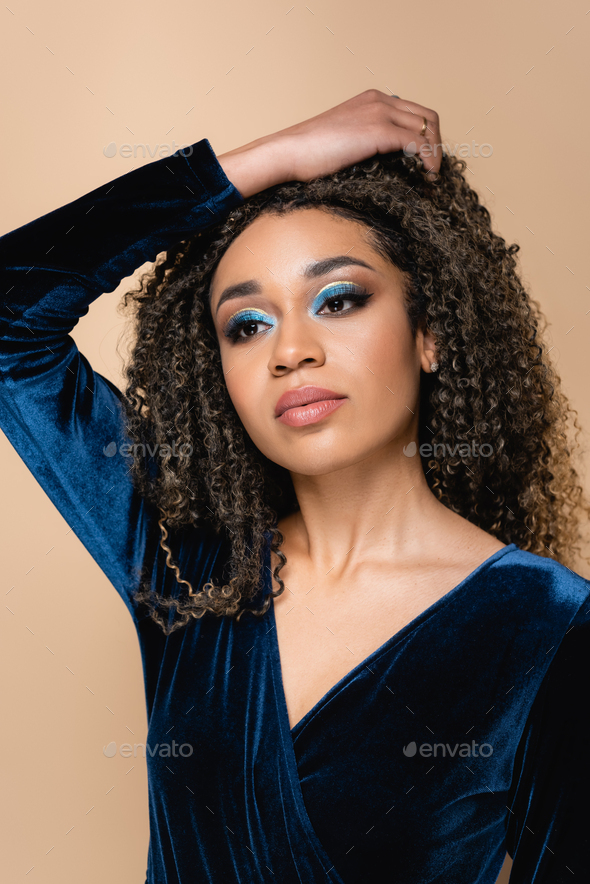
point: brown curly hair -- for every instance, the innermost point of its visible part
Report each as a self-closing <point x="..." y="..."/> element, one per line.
<point x="495" y="381"/>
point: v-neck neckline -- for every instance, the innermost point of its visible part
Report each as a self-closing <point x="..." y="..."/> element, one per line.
<point x="388" y="643"/>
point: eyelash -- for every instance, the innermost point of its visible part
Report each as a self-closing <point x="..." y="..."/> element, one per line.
<point x="359" y="296"/>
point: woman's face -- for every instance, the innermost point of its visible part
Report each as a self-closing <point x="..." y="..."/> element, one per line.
<point x="286" y="319"/>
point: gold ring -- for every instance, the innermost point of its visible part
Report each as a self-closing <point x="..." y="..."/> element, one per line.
<point x="424" y="126"/>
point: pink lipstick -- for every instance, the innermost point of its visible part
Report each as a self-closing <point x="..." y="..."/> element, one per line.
<point x="307" y="405"/>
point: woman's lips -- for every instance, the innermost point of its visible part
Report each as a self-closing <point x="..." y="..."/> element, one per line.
<point x="301" y="415"/>
<point x="305" y="395"/>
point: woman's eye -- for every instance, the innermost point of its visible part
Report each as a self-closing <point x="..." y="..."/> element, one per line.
<point x="249" y="328"/>
<point x="241" y="329"/>
<point x="336" y="304"/>
<point x="342" y="300"/>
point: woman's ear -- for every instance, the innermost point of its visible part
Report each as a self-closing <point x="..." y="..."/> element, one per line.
<point x="426" y="346"/>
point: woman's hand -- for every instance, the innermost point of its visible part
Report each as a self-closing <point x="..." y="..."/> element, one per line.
<point x="368" y="124"/>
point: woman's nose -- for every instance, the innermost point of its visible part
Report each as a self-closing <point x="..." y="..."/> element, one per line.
<point x="297" y="340"/>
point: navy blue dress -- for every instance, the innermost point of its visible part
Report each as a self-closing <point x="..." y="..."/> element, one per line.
<point x="464" y="735"/>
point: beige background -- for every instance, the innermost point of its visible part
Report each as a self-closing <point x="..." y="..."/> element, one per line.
<point x="76" y="77"/>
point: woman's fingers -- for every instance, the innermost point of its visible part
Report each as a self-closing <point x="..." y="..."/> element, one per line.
<point x="358" y="128"/>
<point x="425" y="122"/>
<point x="412" y="115"/>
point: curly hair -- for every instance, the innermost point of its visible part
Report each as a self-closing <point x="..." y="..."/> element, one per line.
<point x="495" y="382"/>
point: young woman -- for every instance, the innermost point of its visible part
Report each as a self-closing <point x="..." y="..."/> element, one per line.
<point x="336" y="498"/>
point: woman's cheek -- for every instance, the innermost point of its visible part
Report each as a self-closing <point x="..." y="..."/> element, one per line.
<point x="248" y="403"/>
<point x="235" y="390"/>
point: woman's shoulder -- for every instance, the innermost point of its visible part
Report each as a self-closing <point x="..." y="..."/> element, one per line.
<point x="538" y="598"/>
<point x="536" y="570"/>
<point x="527" y="612"/>
<point x="521" y="579"/>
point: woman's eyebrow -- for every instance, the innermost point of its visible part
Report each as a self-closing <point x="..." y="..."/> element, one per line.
<point x="312" y="271"/>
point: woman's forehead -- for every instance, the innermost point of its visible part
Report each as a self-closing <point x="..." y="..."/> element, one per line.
<point x="299" y="243"/>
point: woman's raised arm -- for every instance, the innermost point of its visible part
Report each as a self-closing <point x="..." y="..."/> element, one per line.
<point x="63" y="418"/>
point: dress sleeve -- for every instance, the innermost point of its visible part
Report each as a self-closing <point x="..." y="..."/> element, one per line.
<point x="63" y="418"/>
<point x="548" y="825"/>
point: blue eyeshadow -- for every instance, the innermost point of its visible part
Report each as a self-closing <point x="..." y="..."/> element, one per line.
<point x="247" y="315"/>
<point x="332" y="289"/>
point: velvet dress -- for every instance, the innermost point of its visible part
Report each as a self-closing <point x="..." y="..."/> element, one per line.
<point x="465" y="735"/>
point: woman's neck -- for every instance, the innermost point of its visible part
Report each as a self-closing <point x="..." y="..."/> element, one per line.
<point x="379" y="508"/>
